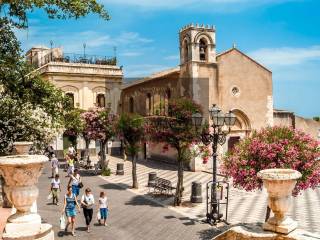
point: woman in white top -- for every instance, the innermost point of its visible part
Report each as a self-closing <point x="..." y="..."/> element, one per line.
<point x="87" y="202"/>
<point x="74" y="182"/>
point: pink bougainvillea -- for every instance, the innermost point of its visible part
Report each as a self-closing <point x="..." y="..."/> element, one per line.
<point x="274" y="147"/>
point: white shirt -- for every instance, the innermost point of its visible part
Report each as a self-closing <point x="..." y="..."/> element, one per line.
<point x="71" y="150"/>
<point x="75" y="179"/>
<point x="103" y="202"/>
<point x="55" y="183"/>
<point x="88" y="199"/>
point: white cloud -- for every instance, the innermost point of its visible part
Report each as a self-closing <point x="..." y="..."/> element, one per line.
<point x="142" y="70"/>
<point x="172" y="57"/>
<point x="286" y="56"/>
<point x="94" y="40"/>
<point x="130" y="54"/>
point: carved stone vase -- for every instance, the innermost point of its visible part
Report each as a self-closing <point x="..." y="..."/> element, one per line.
<point x="279" y="184"/>
<point x="22" y="147"/>
<point x="21" y="173"/>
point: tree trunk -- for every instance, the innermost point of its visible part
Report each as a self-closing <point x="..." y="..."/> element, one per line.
<point x="134" y="172"/>
<point x="103" y="154"/>
<point x="179" y="190"/>
<point x="87" y="154"/>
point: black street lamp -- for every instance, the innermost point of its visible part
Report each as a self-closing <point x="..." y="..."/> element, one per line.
<point x="219" y="119"/>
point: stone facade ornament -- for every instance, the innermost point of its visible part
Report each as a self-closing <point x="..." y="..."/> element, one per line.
<point x="279" y="184"/>
<point x="21" y="173"/>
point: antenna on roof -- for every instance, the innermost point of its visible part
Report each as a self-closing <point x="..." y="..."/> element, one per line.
<point x="115" y="51"/>
<point x="51" y="44"/>
<point x="84" y="50"/>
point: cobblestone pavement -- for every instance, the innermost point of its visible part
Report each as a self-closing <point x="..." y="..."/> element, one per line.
<point x="132" y="217"/>
<point x="243" y="206"/>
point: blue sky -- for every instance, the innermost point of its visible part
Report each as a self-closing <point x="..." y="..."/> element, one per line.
<point x="284" y="35"/>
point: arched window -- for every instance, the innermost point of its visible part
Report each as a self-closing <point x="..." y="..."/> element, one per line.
<point x="148" y="104"/>
<point x="101" y="100"/>
<point x="185" y="51"/>
<point x="71" y="98"/>
<point x="203" y="49"/>
<point x="131" y="105"/>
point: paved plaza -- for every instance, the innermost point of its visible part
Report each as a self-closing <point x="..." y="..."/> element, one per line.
<point x="136" y="214"/>
<point x="244" y="206"/>
<point x="131" y="216"/>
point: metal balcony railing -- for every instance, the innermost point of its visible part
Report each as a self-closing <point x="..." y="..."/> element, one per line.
<point x="80" y="58"/>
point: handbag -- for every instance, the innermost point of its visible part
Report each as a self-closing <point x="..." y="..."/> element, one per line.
<point x="50" y="196"/>
<point x="80" y="184"/>
<point x="62" y="222"/>
<point x="98" y="216"/>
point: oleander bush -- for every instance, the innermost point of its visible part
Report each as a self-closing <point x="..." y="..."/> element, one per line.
<point x="274" y="147"/>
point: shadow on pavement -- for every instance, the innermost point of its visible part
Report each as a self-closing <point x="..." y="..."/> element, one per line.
<point x="118" y="186"/>
<point x="142" y="200"/>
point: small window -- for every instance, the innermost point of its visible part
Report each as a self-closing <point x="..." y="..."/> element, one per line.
<point x="148" y="104"/>
<point x="168" y="94"/>
<point x="101" y="100"/>
<point x="203" y="49"/>
<point x="131" y="105"/>
<point x="71" y="98"/>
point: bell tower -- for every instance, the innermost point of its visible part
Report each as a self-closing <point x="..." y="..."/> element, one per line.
<point x="198" y="68"/>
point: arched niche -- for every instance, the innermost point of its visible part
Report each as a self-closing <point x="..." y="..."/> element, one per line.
<point x="242" y="123"/>
<point x="185" y="49"/>
<point x="203" y="35"/>
<point x="239" y="130"/>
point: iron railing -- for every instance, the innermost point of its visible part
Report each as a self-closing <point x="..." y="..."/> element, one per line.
<point x="80" y="58"/>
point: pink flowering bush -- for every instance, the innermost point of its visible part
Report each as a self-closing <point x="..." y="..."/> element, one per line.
<point x="274" y="147"/>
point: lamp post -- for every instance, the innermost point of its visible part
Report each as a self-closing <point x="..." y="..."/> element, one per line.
<point x="218" y="136"/>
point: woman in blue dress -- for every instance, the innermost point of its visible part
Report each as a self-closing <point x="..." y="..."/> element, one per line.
<point x="74" y="182"/>
<point x="69" y="207"/>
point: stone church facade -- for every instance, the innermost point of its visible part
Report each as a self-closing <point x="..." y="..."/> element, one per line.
<point x="231" y="79"/>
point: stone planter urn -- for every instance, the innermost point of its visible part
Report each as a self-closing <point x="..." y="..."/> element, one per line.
<point x="279" y="184"/>
<point x="21" y="173"/>
<point x="22" y="147"/>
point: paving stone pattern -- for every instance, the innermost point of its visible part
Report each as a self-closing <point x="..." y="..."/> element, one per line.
<point x="132" y="217"/>
<point x="244" y="206"/>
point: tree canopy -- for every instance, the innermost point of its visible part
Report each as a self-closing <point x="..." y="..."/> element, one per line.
<point x="16" y="11"/>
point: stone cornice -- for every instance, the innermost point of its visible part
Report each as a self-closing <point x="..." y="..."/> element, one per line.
<point x="60" y="68"/>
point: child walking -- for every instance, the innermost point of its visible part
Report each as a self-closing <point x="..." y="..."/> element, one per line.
<point x="104" y="210"/>
<point x="55" y="189"/>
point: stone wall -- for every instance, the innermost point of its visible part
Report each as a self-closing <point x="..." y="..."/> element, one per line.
<point x="245" y="86"/>
<point x="309" y="126"/>
<point x="289" y="119"/>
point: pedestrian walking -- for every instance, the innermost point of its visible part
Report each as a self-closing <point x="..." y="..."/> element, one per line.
<point x="104" y="208"/>
<point x="55" y="189"/>
<point x="75" y="182"/>
<point x="71" y="151"/>
<point x="70" y="164"/>
<point x="87" y="202"/>
<point x="54" y="166"/>
<point x="69" y="208"/>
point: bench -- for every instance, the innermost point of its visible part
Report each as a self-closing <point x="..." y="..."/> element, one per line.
<point x="162" y="185"/>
